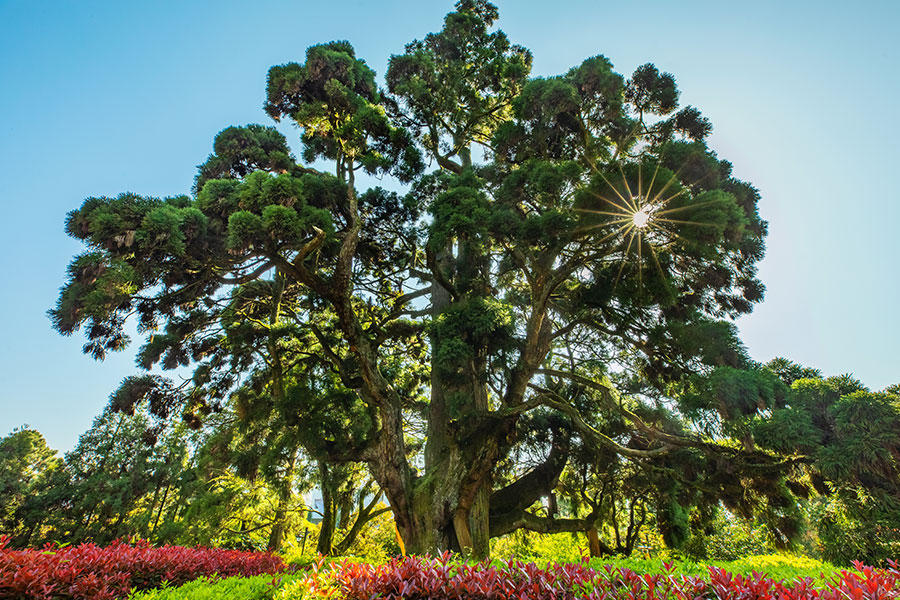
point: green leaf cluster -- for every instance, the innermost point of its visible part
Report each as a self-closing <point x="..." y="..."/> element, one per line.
<point x="464" y="327"/>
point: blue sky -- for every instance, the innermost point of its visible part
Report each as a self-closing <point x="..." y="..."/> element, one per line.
<point x="98" y="98"/>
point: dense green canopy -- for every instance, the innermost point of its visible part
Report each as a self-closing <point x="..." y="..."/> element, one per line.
<point x="548" y="302"/>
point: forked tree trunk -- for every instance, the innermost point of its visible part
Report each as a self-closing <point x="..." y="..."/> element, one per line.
<point x="450" y="509"/>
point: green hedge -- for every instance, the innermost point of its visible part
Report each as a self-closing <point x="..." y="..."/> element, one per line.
<point x="776" y="566"/>
<point x="260" y="587"/>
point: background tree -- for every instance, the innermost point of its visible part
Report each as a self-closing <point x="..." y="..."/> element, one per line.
<point x="26" y="467"/>
<point x="850" y="440"/>
<point x="582" y="267"/>
<point x="127" y="477"/>
<point x="110" y="473"/>
<point x="840" y="445"/>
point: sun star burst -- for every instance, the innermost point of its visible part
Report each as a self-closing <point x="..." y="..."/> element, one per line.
<point x="641" y="219"/>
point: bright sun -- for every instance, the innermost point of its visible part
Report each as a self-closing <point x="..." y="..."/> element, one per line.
<point x="641" y="218"/>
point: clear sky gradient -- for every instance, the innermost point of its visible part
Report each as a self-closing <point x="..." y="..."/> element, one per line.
<point x="97" y="98"/>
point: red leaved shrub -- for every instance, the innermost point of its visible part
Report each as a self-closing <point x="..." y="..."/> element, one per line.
<point x="90" y="572"/>
<point x="442" y="579"/>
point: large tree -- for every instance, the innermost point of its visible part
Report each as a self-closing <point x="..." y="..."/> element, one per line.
<point x="566" y="243"/>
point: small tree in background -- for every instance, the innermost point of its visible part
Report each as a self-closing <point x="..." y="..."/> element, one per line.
<point x="849" y="438"/>
<point x="27" y="465"/>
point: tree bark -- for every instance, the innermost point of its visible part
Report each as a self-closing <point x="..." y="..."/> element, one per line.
<point x="285" y="493"/>
<point x="324" y="544"/>
<point x="593" y="542"/>
<point x="160" y="510"/>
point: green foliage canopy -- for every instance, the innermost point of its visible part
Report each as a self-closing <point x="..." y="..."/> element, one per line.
<point x="577" y="271"/>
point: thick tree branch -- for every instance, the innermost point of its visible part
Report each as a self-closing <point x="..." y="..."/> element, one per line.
<point x="607" y="394"/>
<point x="532" y="522"/>
<point x="552" y="400"/>
<point x="438" y="274"/>
<point x="310" y="247"/>
<point x="242" y="279"/>
<point x="529" y="488"/>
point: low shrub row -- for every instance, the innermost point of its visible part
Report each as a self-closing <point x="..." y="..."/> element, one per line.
<point x="261" y="587"/>
<point x="89" y="572"/>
